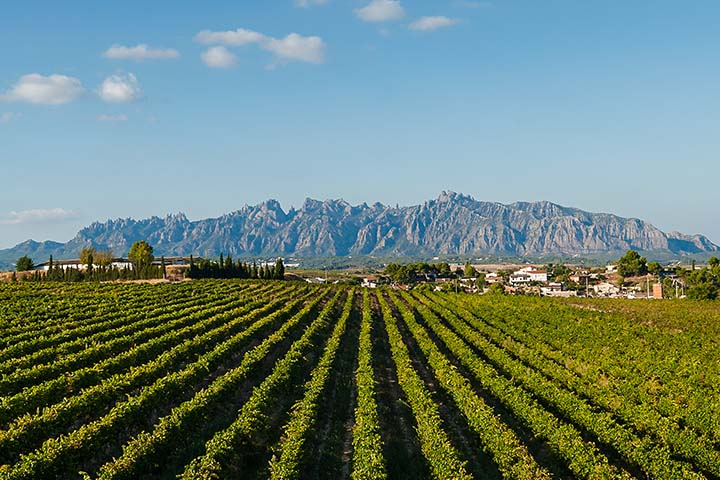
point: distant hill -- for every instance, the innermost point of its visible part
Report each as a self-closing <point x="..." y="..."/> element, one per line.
<point x="452" y="224"/>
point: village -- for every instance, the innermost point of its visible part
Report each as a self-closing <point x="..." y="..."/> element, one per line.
<point x="537" y="280"/>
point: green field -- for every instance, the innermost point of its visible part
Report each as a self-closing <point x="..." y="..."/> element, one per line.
<point x="242" y="379"/>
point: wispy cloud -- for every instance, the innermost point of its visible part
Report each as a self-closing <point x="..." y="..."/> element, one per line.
<point x="140" y="52"/>
<point x="310" y="3"/>
<point x="381" y="11"/>
<point x="120" y="89"/>
<point x="41" y="90"/>
<point x="104" y="118"/>
<point x="293" y="47"/>
<point x="428" y="24"/>
<point x="233" y="38"/>
<point x="8" y="117"/>
<point x="40" y="215"/>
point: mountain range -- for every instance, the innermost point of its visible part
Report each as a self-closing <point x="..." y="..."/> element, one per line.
<point x="452" y="224"/>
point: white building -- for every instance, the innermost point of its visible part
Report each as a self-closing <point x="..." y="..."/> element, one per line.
<point x="370" y="282"/>
<point x="531" y="273"/>
<point x="519" y="278"/>
<point x="492" y="277"/>
<point x="606" y="289"/>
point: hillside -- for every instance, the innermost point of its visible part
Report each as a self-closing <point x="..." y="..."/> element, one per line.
<point x="452" y="224"/>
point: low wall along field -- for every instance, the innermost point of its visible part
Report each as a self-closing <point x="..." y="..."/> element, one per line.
<point x="243" y="379"/>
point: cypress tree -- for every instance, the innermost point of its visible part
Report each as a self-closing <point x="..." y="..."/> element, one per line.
<point x="279" y="269"/>
<point x="229" y="267"/>
<point x="192" y="271"/>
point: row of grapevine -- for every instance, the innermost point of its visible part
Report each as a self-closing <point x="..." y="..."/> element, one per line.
<point x="444" y="459"/>
<point x="90" y="399"/>
<point x="188" y="416"/>
<point x="644" y="419"/>
<point x="368" y="461"/>
<point x="58" y="454"/>
<point x="253" y="413"/>
<point x="303" y="415"/>
<point x="511" y="456"/>
<point x="41" y="335"/>
<point x="670" y="376"/>
<point x="582" y="459"/>
<point x="125" y="338"/>
<point x="88" y="318"/>
<point x="641" y="451"/>
<point x="284" y="380"/>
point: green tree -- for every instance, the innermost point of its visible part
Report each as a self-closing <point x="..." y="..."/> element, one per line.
<point x="279" y="269"/>
<point x="704" y="283"/>
<point x="713" y="262"/>
<point x="496" y="288"/>
<point x="558" y="272"/>
<point x="654" y="268"/>
<point x="703" y="291"/>
<point x="141" y="255"/>
<point x="24" y="264"/>
<point x="632" y="264"/>
<point x="103" y="258"/>
<point x="89" y="264"/>
<point x="87" y="254"/>
<point x="480" y="281"/>
<point x="469" y="271"/>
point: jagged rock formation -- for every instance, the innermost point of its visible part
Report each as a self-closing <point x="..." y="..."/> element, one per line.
<point x="452" y="224"/>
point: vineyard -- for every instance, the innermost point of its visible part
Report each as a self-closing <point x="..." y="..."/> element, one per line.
<point x="282" y="380"/>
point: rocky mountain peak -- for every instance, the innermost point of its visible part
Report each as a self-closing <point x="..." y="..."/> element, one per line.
<point x="452" y="224"/>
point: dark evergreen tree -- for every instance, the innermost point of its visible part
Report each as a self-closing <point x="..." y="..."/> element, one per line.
<point x="279" y="269"/>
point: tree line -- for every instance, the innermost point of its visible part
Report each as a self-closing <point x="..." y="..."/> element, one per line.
<point x="225" y="267"/>
<point x="98" y="267"/>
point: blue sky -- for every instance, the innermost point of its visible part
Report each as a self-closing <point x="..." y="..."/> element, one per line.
<point x="118" y="109"/>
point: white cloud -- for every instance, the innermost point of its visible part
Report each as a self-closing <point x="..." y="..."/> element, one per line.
<point x="381" y="11"/>
<point x="292" y="47"/>
<point x="120" y="89"/>
<point x="297" y="47"/>
<point x="140" y="52"/>
<point x="218" y="57"/>
<point x="41" y="90"/>
<point x="310" y="3"/>
<point x="112" y="118"/>
<point x="8" y="117"/>
<point x="427" y="24"/>
<point x="41" y="215"/>
<point x="235" y="38"/>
